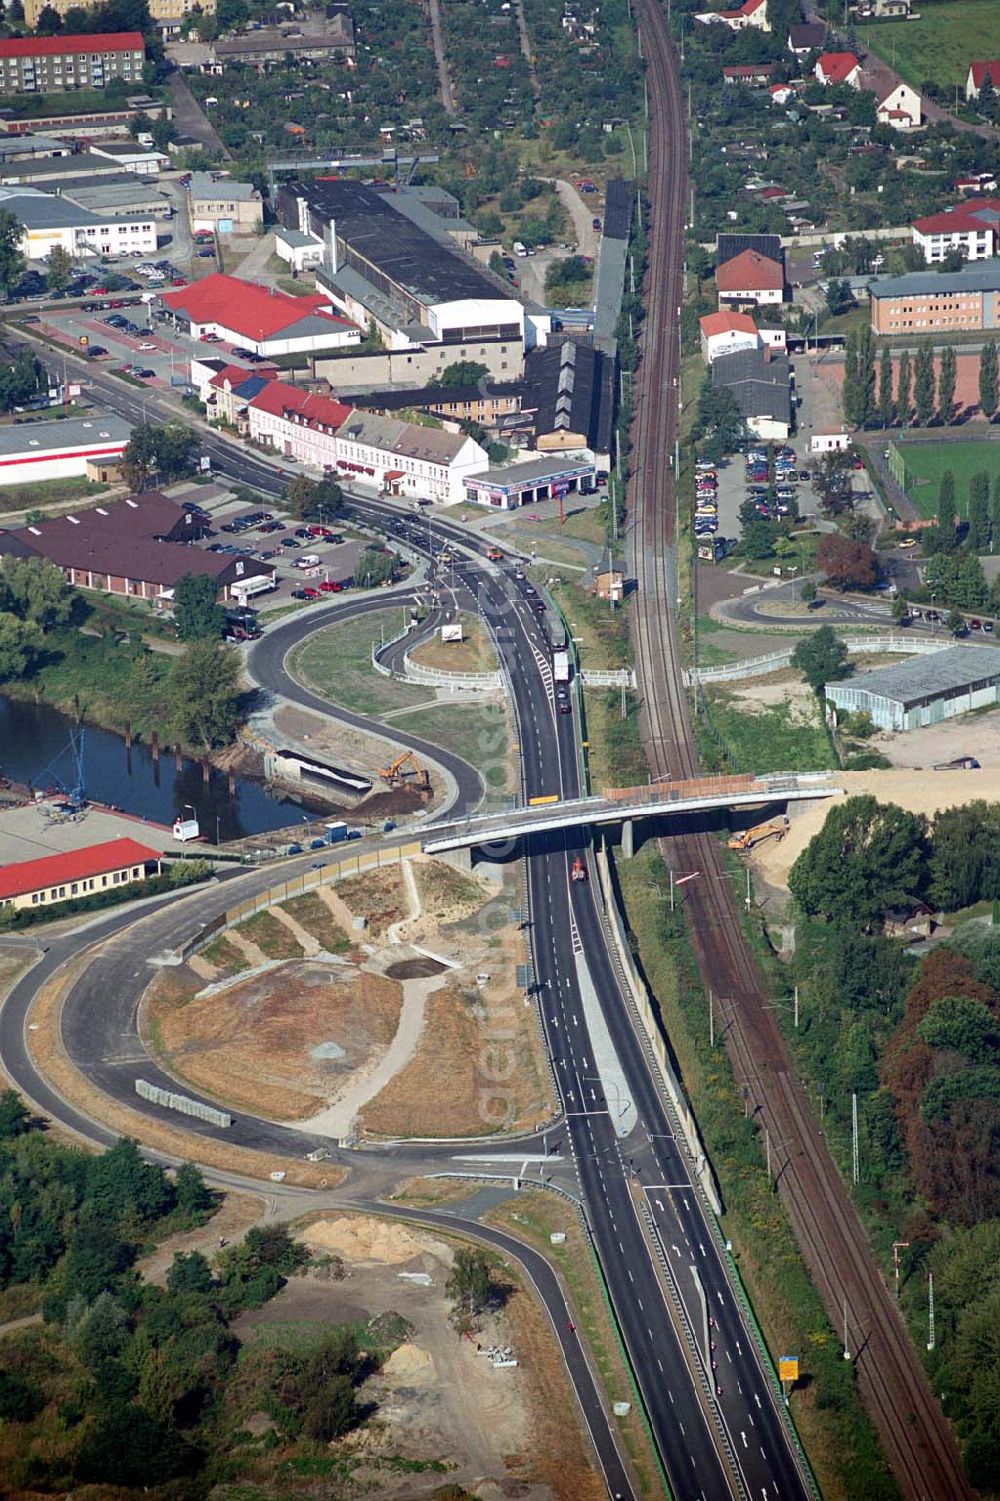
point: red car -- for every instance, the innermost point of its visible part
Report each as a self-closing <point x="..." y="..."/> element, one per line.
<point x="178" y="281"/>
<point x="331" y="586"/>
<point x="310" y="593"/>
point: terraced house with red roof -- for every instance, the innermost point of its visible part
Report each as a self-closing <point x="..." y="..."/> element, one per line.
<point x="59" y="64"/>
<point x="77" y="873"/>
<point x="243" y="314"/>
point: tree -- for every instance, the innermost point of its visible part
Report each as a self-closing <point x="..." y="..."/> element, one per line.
<point x="960" y="1025"/>
<point x="989" y="389"/>
<point x="332" y="1412"/>
<point x="49" y="21"/>
<point x="839" y="296"/>
<point x="203" y="695"/>
<point x="886" y="408"/>
<point x="470" y="1285"/>
<point x="868" y="856"/>
<point x="946" y="512"/>
<point x="965" y="858"/>
<point x="166" y="453"/>
<point x="955" y="623"/>
<point x="923" y="384"/>
<point x="978" y="536"/>
<point x="311" y="500"/>
<point x="20" y="644"/>
<point x="196" y="614"/>
<point x="194" y="1197"/>
<point x="189" y="1273"/>
<point x="866" y="374"/>
<point x="462" y="373"/>
<point x="12" y="262"/>
<point x="847" y="564"/>
<point x="376" y="566"/>
<point x="904" y="401"/>
<point x="947" y="375"/>
<point x="60" y="269"/>
<point x="808" y="591"/>
<point x="21" y="379"/>
<point x="821" y="658"/>
<point x="900" y="610"/>
<point x="14" y="1117"/>
<point x="720" y="424"/>
<point x="852" y="396"/>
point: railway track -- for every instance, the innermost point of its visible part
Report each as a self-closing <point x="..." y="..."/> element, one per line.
<point x="915" y="1436"/>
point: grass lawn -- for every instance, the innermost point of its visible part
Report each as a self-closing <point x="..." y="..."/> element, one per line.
<point x="336" y="662"/>
<point x="48" y="492"/>
<point x="479" y="733"/>
<point x="782" y="738"/>
<point x="940" y="45"/>
<point x="474" y="654"/>
<point x="927" y="462"/>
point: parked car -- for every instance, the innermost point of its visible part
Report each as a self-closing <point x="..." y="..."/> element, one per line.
<point x="331" y="586"/>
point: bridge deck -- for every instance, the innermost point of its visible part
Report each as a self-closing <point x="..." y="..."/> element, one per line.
<point x="619" y="804"/>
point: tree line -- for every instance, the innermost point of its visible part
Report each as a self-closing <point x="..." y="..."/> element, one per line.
<point x="880" y="392"/>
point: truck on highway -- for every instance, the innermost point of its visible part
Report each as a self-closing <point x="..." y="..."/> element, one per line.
<point x="259" y="583"/>
<point x="560" y="666"/>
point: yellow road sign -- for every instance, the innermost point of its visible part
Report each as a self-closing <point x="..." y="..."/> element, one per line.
<point x="788" y="1368"/>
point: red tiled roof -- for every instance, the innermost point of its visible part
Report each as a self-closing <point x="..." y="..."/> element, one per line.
<point x="61" y="46"/>
<point x="278" y="397"/>
<point x="747" y="70"/>
<point x="75" y="865"/>
<point x="727" y="323"/>
<point x="980" y="71"/>
<point x="749" y="271"/>
<point x="837" y="67"/>
<point x="252" y="311"/>
<point x="964" y="218"/>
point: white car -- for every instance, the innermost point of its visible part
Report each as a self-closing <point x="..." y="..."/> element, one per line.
<point x="308" y="560"/>
<point x="148" y="348"/>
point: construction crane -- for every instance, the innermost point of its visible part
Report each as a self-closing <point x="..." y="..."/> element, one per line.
<point x="748" y="838"/>
<point x="405" y="766"/>
<point x="76" y="794"/>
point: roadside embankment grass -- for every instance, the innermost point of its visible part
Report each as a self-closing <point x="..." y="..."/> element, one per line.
<point x="835" y="1429"/>
<point x="336" y="663"/>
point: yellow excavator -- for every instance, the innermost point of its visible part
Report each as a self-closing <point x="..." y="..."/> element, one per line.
<point x="405" y="766"/>
<point x="746" y="839"/>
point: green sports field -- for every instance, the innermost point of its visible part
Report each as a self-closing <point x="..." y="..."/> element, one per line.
<point x="927" y="462"/>
<point x="940" y="45"/>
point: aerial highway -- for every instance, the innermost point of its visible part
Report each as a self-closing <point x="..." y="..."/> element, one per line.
<point x="911" y="1426"/>
<point x="716" y="1417"/>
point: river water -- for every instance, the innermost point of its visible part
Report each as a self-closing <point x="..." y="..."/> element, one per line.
<point x="35" y="748"/>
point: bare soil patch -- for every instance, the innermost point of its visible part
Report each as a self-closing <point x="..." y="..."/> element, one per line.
<point x="514" y="1432"/>
<point x="45" y="1047"/>
<point x="917" y="794"/>
<point x="377" y="895"/>
<point x="414" y="969"/>
<point x="224" y="957"/>
<point x="447" y="894"/>
<point x="279" y="1044"/>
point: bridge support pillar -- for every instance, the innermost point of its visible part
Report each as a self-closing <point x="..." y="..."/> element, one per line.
<point x="628" y="839"/>
<point x="460" y="859"/>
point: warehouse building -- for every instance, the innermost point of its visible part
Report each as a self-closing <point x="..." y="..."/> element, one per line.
<point x="59" y="450"/>
<point x="47" y="222"/>
<point x="923" y="691"/>
<point x="262" y="319"/>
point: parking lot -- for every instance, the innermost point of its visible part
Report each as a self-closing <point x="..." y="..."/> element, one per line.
<point x="311" y="560"/>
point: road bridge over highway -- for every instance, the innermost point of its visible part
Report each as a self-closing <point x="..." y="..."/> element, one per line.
<point x="624" y="805"/>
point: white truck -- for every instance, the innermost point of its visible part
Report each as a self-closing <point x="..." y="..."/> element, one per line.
<point x="258" y="583"/>
<point x="560" y="666"/>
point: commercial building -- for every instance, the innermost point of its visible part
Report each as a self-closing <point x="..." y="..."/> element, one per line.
<point x="929" y="301"/>
<point x="137" y="547"/>
<point x="22" y="148"/>
<point x="923" y="691"/>
<point x="77" y="873"/>
<point x="300" y="251"/>
<point x="59" y="450"/>
<point x="48" y="221"/>
<point x="761" y="382"/>
<point x="59" y="64"/>
<point x="218" y="202"/>
<point x="495" y="408"/>
<point x="120" y="195"/>
<point x="978" y="74"/>
<point x="750" y="279"/>
<point x="568" y="403"/>
<point x="259" y="318"/>
<point x="838" y="68"/>
<point x="416" y="288"/>
<point x="327" y="436"/>
<point x="38" y="171"/>
<point x="726" y="333"/>
<point x="128" y="156"/>
<point x="89" y="125"/>
<point x="973" y="227"/>
<point x="269" y="45"/>
<point x="524" y="484"/>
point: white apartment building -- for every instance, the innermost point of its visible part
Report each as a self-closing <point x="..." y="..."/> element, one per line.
<point x="48" y="221"/>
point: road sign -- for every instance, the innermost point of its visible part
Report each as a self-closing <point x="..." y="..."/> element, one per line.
<point x="788" y="1368"/>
